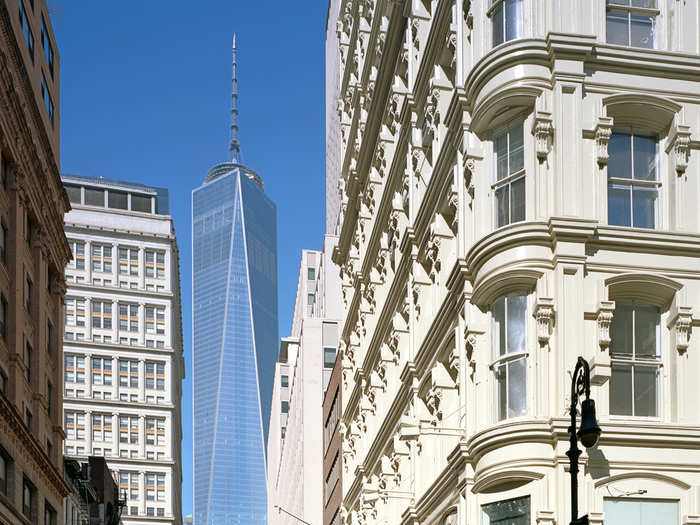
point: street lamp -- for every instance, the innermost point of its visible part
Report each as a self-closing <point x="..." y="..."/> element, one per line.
<point x="280" y="509"/>
<point x="588" y="433"/>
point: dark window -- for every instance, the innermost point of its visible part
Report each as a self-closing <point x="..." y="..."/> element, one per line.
<point x="3" y="382"/>
<point x="161" y="511"/>
<point x="140" y="203"/>
<point x="74" y="193"/>
<point x="3" y="243"/>
<point x="49" y="338"/>
<point x="49" y="397"/>
<point x="94" y="197"/>
<point x="46" y="44"/>
<point x="312" y="274"/>
<point x="284" y="432"/>
<point x="506" y="20"/>
<point x="29" y="500"/>
<point x="117" y="200"/>
<point x="28" y="362"/>
<point x="3" y="171"/>
<point x="285" y="380"/>
<point x="48" y="101"/>
<point x="26" y="30"/>
<point x="28" y="418"/>
<point x="28" y="294"/>
<point x="513" y="512"/>
<point x="328" y="357"/>
<point x="5" y="468"/>
<point x="49" y="514"/>
<point x="149" y="511"/>
<point x="29" y="232"/>
<point x="3" y="317"/>
<point x="285" y="407"/>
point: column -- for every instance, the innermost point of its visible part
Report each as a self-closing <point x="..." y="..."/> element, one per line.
<point x="115" y="321"/>
<point x="88" y="376"/>
<point x="142" y="437"/>
<point x="168" y="378"/>
<point x="142" y="323"/>
<point x="88" y="262"/>
<point x="169" y="340"/>
<point x="115" y="434"/>
<point x="115" y="264"/>
<point x="142" y="269"/>
<point x="168" y="271"/>
<point x="142" y="381"/>
<point x="142" y="492"/>
<point x="115" y="379"/>
<point x="88" y="432"/>
<point x="88" y="319"/>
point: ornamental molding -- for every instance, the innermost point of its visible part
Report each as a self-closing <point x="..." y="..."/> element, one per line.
<point x="679" y="146"/>
<point x="544" y="315"/>
<point x="681" y="322"/>
<point x="604" y="316"/>
<point x="602" y="133"/>
<point x="543" y="131"/>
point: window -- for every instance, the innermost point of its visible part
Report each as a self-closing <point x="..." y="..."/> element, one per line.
<point x="28" y="418"/>
<point x="509" y="166"/>
<point x="3" y="171"/>
<point x="95" y="197"/>
<point x="510" y="354"/>
<point x="128" y="373"/>
<point x="636" y="357"/>
<point x="328" y="357"/>
<point x="155" y="320"/>
<point x="128" y="261"/>
<point x="161" y="511"/>
<point x="28" y="498"/>
<point x="331" y="422"/>
<point x="506" y="20"/>
<point x="128" y="317"/>
<point x="155" y="264"/>
<point x="3" y="243"/>
<point x="513" y="512"/>
<point x="129" y="429"/>
<point x="28" y="293"/>
<point x="311" y="274"/>
<point x="46" y="44"/>
<point x="117" y="200"/>
<point x="75" y="193"/>
<point x="102" y="314"/>
<point x="284" y="432"/>
<point x="78" y="260"/>
<point x="285" y="407"/>
<point x="101" y="258"/>
<point x="633" y="187"/>
<point x="310" y="299"/>
<point x="129" y="485"/>
<point x="28" y="362"/>
<point x="332" y="478"/>
<point x="285" y="380"/>
<point x="5" y="466"/>
<point x="155" y="376"/>
<point x="3" y="382"/>
<point x="49" y="514"/>
<point x="101" y="427"/>
<point x="631" y="22"/>
<point x="628" y="511"/>
<point x="49" y="397"/>
<point x="140" y="203"/>
<point x="75" y="312"/>
<point x="101" y="371"/>
<point x="26" y="30"/>
<point x="74" y="369"/>
<point x="49" y="338"/>
<point x="3" y="317"/>
<point x="46" y="96"/>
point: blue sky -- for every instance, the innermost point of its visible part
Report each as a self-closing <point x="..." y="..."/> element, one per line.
<point x="145" y="97"/>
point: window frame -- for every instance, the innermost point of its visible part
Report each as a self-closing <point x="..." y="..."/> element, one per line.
<point x="510" y="178"/>
<point x="500" y="6"/>
<point x="652" y="12"/>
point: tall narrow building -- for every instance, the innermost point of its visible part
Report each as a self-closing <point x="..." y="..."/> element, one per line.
<point x="234" y="338"/>
<point x="123" y="364"/>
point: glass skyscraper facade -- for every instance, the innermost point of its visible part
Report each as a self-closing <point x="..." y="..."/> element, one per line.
<point x="235" y="343"/>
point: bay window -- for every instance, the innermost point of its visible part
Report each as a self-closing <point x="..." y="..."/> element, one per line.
<point x="631" y="23"/>
<point x="509" y="167"/>
<point x="633" y="185"/>
<point x="506" y="20"/>
<point x="514" y="511"/>
<point x="508" y="314"/>
<point x="636" y="359"/>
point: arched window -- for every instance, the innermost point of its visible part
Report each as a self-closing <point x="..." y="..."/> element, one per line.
<point x="633" y="178"/>
<point x="509" y="319"/>
<point x="635" y="353"/>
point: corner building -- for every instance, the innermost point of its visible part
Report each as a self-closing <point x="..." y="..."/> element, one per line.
<point x="518" y="189"/>
<point x="122" y="336"/>
<point x="234" y="343"/>
<point x="33" y="253"/>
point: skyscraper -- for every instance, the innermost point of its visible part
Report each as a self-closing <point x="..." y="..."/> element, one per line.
<point x="234" y="305"/>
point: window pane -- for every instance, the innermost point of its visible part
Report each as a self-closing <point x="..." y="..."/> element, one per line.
<point x="510" y="512"/>
<point x="514" y="19"/>
<point x="94" y="197"/>
<point x="647" y="319"/>
<point x="619" y="213"/>
<point x="517" y="203"/>
<point x="621" y="390"/>
<point x="616" y="27"/>
<point x="498" y="312"/>
<point x="140" y="203"/>
<point x="645" y="390"/>
<point x="645" y="157"/>
<point x="73" y="193"/>
<point x="117" y="199"/>
<point x="644" y="202"/>
<point x="497" y="24"/>
<point x="516" y="148"/>
<point x="620" y="151"/>
<point x="641" y="31"/>
<point x="621" y="329"/>
<point x="516" y="387"/>
<point x="502" y="206"/>
<point x="500" y="151"/>
<point x="516" y="306"/>
<point x="643" y="512"/>
<point x="501" y="391"/>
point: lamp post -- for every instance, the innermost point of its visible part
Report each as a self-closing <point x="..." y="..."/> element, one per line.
<point x="588" y="433"/>
<point x="280" y="509"/>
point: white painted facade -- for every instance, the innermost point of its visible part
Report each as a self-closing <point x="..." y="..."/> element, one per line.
<point x="123" y="360"/>
<point x="295" y="444"/>
<point x="587" y="116"/>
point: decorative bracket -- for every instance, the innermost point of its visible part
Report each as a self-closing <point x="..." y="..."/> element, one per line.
<point x="679" y="143"/>
<point x="544" y="314"/>
<point x="604" y="317"/>
<point x="682" y="322"/>
<point x="543" y="131"/>
<point x="603" y="132"/>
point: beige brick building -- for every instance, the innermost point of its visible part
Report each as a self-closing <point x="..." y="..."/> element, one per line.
<point x="519" y="186"/>
<point x="33" y="253"/>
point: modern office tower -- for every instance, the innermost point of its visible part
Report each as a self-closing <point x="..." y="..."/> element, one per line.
<point x="123" y="364"/>
<point x="295" y="447"/>
<point x="521" y="180"/>
<point x="234" y="338"/>
<point x="332" y="116"/>
<point x="33" y="253"/>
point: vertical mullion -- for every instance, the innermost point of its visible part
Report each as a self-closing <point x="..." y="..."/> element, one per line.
<point x="634" y="355"/>
<point x="629" y="28"/>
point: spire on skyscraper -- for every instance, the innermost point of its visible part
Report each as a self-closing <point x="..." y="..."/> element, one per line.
<point x="234" y="146"/>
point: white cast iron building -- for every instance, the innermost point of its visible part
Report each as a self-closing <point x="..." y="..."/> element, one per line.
<point x="519" y="187"/>
<point x="123" y="363"/>
<point x="295" y="444"/>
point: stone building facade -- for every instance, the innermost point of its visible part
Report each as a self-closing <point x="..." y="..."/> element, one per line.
<point x="123" y="362"/>
<point x="33" y="253"/>
<point x="518" y="188"/>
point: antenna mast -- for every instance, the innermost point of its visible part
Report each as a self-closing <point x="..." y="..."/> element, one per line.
<point x="234" y="146"/>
